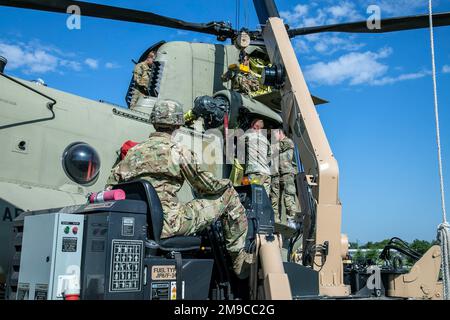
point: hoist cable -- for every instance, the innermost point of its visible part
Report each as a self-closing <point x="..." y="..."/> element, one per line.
<point x="443" y="229"/>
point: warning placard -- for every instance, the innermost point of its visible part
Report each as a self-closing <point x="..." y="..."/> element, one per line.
<point x="126" y="265"/>
<point x="40" y="292"/>
<point x="173" y="290"/>
<point x="164" y="273"/>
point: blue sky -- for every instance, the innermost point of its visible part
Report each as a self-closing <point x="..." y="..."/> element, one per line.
<point x="380" y="121"/>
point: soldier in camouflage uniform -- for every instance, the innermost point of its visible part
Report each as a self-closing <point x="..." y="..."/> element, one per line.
<point x="257" y="155"/>
<point x="283" y="180"/>
<point x="242" y="81"/>
<point x="166" y="165"/>
<point x="141" y="76"/>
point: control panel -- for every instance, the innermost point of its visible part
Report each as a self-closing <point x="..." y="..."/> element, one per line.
<point x="51" y="255"/>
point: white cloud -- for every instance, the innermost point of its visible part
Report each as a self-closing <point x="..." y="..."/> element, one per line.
<point x="111" y="65"/>
<point x="446" y="69"/>
<point x="332" y="43"/>
<point x="355" y="67"/>
<point x="293" y="17"/>
<point x="37" y="44"/>
<point x="343" y="12"/>
<point x="313" y="15"/>
<point x="301" y="45"/>
<point x="307" y="15"/>
<point x="398" y="7"/>
<point x="403" y="77"/>
<point x="74" y="65"/>
<point x="358" y="68"/>
<point x="34" y="58"/>
<point x="91" y="63"/>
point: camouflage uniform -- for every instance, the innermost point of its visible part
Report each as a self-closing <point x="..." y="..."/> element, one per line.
<point x="141" y="76"/>
<point x="166" y="165"/>
<point x="284" y="181"/>
<point x="243" y="82"/>
<point x="256" y="158"/>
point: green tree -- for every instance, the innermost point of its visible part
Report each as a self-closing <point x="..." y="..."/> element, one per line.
<point x="421" y="246"/>
<point x="354" y="245"/>
<point x="372" y="255"/>
<point x="359" y="257"/>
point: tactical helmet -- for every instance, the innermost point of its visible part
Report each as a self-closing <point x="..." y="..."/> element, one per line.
<point x="167" y="113"/>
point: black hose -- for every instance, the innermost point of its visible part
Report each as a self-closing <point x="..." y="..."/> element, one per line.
<point x="400" y="246"/>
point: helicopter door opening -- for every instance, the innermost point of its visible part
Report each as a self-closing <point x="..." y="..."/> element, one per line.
<point x="155" y="81"/>
<point x="153" y="88"/>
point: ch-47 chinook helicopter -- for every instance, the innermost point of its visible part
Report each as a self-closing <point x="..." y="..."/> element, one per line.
<point x="53" y="156"/>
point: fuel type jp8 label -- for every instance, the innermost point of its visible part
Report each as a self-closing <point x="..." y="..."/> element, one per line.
<point x="126" y="265"/>
<point x="164" y="273"/>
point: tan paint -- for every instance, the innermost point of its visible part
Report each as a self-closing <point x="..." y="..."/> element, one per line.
<point x="302" y="121"/>
<point x="344" y="246"/>
<point x="422" y="280"/>
<point x="276" y="282"/>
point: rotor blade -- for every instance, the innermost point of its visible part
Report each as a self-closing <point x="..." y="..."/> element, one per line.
<point x="265" y="9"/>
<point x="387" y="25"/>
<point x="121" y="14"/>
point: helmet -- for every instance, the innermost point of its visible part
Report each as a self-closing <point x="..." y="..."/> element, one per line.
<point x="167" y="113"/>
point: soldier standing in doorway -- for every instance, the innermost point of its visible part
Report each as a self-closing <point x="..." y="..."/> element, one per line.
<point x="141" y="77"/>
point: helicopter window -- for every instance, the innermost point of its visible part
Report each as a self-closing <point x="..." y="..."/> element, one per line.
<point x="81" y="163"/>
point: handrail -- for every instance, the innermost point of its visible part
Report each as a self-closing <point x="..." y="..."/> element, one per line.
<point x="50" y="105"/>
